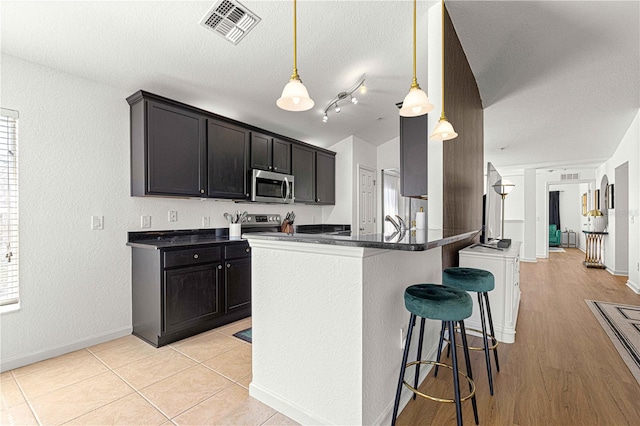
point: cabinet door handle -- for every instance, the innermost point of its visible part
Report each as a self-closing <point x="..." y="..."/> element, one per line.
<point x="202" y="191"/>
<point x="228" y="265"/>
<point x="247" y="249"/>
<point x="318" y="200"/>
<point x="269" y="167"/>
<point x="219" y="266"/>
<point x="275" y="168"/>
<point x="195" y="256"/>
<point x="247" y="194"/>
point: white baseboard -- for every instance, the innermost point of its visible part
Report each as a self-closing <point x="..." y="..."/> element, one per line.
<point x="633" y="286"/>
<point x="302" y="416"/>
<point x="21" y="361"/>
<point x="526" y="259"/>
<point x="617" y="273"/>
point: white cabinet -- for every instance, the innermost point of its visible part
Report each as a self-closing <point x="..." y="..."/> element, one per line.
<point x="505" y="298"/>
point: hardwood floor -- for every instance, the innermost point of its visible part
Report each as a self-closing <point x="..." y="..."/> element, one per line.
<point x="562" y="369"/>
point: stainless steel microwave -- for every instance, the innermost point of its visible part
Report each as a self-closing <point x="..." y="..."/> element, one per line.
<point x="269" y="187"/>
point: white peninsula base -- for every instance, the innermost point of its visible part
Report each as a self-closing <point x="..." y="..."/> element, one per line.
<point x="327" y="323"/>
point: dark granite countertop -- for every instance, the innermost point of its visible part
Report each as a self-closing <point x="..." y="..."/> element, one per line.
<point x="418" y="240"/>
<point x="181" y="238"/>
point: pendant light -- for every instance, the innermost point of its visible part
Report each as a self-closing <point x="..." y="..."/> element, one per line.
<point x="416" y="102"/>
<point x="294" y="95"/>
<point x="444" y="130"/>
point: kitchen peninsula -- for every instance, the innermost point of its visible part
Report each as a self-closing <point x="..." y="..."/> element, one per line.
<point x="328" y="319"/>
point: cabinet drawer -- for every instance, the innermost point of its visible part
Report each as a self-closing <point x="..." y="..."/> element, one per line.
<point x="192" y="256"/>
<point x="234" y="251"/>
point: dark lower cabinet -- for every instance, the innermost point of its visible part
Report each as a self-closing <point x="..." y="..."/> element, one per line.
<point x="191" y="296"/>
<point x="180" y="292"/>
<point x="238" y="284"/>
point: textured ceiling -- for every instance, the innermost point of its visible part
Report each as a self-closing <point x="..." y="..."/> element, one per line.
<point x="559" y="80"/>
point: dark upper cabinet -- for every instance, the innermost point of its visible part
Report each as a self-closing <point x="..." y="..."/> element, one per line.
<point x="269" y="153"/>
<point x="168" y="154"/>
<point x="228" y="146"/>
<point x="281" y="155"/>
<point x="303" y="167"/>
<point x="260" y="151"/>
<point x="414" y="138"/>
<point x="325" y="178"/>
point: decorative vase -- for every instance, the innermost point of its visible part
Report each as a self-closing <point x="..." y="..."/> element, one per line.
<point x="597" y="221"/>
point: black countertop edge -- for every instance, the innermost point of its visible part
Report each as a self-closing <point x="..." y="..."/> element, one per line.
<point x="408" y="242"/>
<point x="179" y="238"/>
<point x="321" y="228"/>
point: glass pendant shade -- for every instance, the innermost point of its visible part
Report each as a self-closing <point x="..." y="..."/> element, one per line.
<point x="295" y="97"/>
<point x="503" y="186"/>
<point x="443" y="131"/>
<point x="415" y="103"/>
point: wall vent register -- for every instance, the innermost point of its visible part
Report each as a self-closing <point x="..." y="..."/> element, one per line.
<point x="230" y="19"/>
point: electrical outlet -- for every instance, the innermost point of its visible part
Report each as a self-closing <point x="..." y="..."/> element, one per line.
<point x="97" y="223"/>
<point x="205" y="221"/>
<point x="173" y="216"/>
<point x="145" y="221"/>
<point x="403" y="338"/>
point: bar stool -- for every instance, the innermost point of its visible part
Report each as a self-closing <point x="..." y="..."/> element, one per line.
<point x="481" y="282"/>
<point x="442" y="303"/>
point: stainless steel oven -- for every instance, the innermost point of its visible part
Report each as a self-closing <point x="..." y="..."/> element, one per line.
<point x="269" y="187"/>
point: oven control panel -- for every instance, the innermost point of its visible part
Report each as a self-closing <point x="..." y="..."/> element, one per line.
<point x="262" y="219"/>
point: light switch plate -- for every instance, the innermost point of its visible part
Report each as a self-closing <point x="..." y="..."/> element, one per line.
<point x="173" y="216"/>
<point x="97" y="223"/>
<point x="145" y="221"/>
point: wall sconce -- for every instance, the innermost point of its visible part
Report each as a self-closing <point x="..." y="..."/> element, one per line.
<point x="343" y="97"/>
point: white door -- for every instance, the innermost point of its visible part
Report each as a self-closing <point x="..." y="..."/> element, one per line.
<point x="366" y="200"/>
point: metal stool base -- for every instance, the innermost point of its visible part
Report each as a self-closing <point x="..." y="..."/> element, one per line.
<point x="434" y="398"/>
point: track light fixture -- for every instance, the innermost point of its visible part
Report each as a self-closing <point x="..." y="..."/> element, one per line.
<point x="343" y="96"/>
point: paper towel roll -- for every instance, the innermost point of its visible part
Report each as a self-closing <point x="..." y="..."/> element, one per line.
<point x="421" y="220"/>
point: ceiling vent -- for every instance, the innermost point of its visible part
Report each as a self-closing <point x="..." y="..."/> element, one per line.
<point x="230" y="19"/>
<point x="569" y="176"/>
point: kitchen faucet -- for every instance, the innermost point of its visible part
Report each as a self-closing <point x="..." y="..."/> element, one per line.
<point x="403" y="226"/>
<point x="393" y="222"/>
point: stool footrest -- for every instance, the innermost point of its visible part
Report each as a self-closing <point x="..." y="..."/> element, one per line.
<point x="475" y="348"/>
<point x="434" y="398"/>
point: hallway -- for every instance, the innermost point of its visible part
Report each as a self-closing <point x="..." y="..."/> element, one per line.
<point x="562" y="369"/>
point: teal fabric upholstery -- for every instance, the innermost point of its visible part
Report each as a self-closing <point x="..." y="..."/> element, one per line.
<point x="438" y="302"/>
<point x="555" y="236"/>
<point x="469" y="279"/>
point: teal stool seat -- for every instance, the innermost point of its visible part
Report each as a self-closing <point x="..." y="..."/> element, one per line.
<point x="438" y="302"/>
<point x="451" y="306"/>
<point x="481" y="282"/>
<point x="469" y="279"/>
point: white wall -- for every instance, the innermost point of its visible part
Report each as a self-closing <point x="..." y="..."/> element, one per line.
<point x="74" y="162"/>
<point x="628" y="150"/>
<point x="341" y="212"/>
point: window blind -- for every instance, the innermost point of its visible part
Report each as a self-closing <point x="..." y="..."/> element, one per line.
<point x="8" y="207"/>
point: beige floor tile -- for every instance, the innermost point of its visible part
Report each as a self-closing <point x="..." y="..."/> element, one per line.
<point x="206" y="346"/>
<point x="280" y="420"/>
<point x="112" y="343"/>
<point x="17" y="415"/>
<point x="182" y="391"/>
<point x="130" y="351"/>
<point x="245" y="381"/>
<point x="234" y="327"/>
<point x="5" y="376"/>
<point x="130" y="410"/>
<point x="234" y="364"/>
<point x="60" y="375"/>
<point x="80" y="398"/>
<point x="150" y="370"/>
<point x="11" y="394"/>
<point x="232" y="406"/>
<point x="51" y="362"/>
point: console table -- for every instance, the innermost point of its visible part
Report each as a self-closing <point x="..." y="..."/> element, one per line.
<point x="568" y="239"/>
<point x="593" y="254"/>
